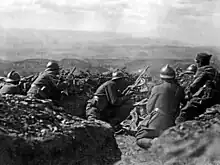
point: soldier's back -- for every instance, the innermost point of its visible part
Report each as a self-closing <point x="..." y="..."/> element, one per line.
<point x="101" y="89"/>
<point x="10" y="89"/>
<point x="43" y="79"/>
<point x="169" y="96"/>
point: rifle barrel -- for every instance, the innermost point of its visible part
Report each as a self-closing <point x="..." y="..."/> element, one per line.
<point x="136" y="81"/>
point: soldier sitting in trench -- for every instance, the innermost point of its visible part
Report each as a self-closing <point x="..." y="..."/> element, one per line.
<point x="45" y="86"/>
<point x="188" y="76"/>
<point x="12" y="85"/>
<point x="203" y="91"/>
<point x="107" y="101"/>
<point x="162" y="107"/>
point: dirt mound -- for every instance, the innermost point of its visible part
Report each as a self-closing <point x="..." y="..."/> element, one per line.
<point x="37" y="132"/>
<point x="191" y="142"/>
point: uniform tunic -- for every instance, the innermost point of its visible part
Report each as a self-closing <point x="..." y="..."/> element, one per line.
<point x="9" y="88"/>
<point x="162" y="107"/>
<point x="47" y="80"/>
<point x="202" y="91"/>
<point x="105" y="98"/>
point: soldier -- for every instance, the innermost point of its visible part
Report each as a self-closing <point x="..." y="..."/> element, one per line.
<point x="192" y="69"/>
<point x="45" y="85"/>
<point x="107" y="99"/>
<point x="162" y="108"/>
<point x="202" y="90"/>
<point x="12" y="84"/>
<point x="188" y="76"/>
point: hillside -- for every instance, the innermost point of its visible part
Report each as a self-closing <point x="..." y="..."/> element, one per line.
<point x="21" y="44"/>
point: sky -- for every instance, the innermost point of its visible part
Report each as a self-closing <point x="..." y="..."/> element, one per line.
<point x="190" y="21"/>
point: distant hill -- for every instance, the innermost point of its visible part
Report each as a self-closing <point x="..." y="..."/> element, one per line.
<point x="20" y="44"/>
<point x="28" y="51"/>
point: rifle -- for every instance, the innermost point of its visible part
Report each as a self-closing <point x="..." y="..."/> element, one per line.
<point x="27" y="79"/>
<point x="71" y="72"/>
<point x="131" y="87"/>
<point x="65" y="91"/>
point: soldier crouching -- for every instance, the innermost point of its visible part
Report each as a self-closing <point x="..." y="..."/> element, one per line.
<point x="107" y="100"/>
<point x="45" y="85"/>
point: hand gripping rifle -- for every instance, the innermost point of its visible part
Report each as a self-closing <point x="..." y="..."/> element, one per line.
<point x="71" y="73"/>
<point x="65" y="91"/>
<point x="67" y="77"/>
<point x="131" y="87"/>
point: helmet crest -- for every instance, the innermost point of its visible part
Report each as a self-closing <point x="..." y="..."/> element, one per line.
<point x="167" y="72"/>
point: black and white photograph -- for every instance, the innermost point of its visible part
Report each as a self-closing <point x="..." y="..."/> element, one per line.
<point x="109" y="82"/>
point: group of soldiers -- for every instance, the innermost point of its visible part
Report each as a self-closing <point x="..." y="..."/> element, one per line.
<point x="45" y="85"/>
<point x="169" y="103"/>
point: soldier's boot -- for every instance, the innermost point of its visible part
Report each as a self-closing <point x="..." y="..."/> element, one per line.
<point x="144" y="137"/>
<point x="144" y="143"/>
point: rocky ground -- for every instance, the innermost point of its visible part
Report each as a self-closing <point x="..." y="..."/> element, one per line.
<point x="194" y="142"/>
<point x="36" y="132"/>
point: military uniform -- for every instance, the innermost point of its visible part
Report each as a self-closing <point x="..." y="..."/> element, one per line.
<point x="202" y="91"/>
<point x="107" y="100"/>
<point x="12" y="84"/>
<point x="162" y="108"/>
<point x="9" y="88"/>
<point x="44" y="87"/>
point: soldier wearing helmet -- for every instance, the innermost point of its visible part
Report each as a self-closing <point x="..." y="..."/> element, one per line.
<point x="45" y="86"/>
<point x="107" y="99"/>
<point x="162" y="108"/>
<point x="202" y="91"/>
<point x="191" y="69"/>
<point x="12" y="84"/>
<point x="188" y="76"/>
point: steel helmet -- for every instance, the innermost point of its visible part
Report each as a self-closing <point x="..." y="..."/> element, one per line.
<point x="191" y="69"/>
<point x="167" y="72"/>
<point x="53" y="66"/>
<point x="117" y="75"/>
<point x="13" y="77"/>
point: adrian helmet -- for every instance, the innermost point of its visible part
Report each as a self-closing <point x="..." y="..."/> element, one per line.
<point x="117" y="75"/>
<point x="191" y="69"/>
<point x="13" y="77"/>
<point x="53" y="66"/>
<point x="167" y="72"/>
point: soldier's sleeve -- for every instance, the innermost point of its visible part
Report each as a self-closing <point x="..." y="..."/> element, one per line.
<point x="52" y="82"/>
<point x="111" y="93"/>
<point x="199" y="81"/>
<point x="181" y="94"/>
<point x="152" y="100"/>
